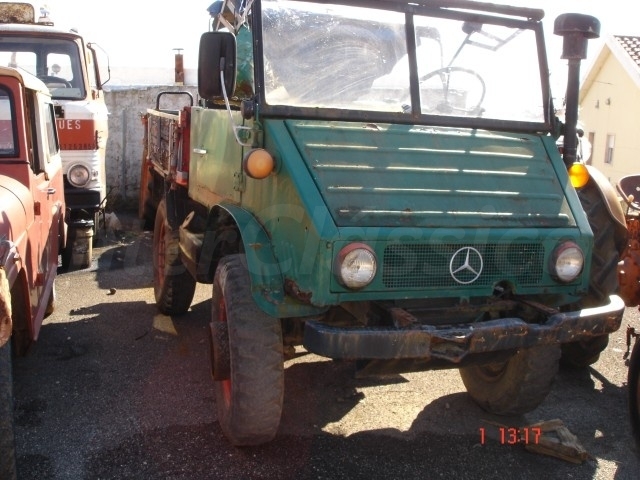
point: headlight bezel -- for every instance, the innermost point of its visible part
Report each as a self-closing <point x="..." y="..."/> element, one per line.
<point x="567" y="262"/>
<point x="72" y="177"/>
<point x="350" y="253"/>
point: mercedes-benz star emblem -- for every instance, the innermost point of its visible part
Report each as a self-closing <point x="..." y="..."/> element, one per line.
<point x="466" y="265"/>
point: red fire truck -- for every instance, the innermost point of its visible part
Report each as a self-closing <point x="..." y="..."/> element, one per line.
<point x="68" y="65"/>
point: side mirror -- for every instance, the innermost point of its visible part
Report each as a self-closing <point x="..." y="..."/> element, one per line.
<point x="217" y="54"/>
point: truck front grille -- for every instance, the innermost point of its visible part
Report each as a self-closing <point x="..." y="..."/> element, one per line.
<point x="431" y="266"/>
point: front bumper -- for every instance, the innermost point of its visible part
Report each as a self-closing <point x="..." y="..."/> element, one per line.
<point x="82" y="199"/>
<point x="454" y="343"/>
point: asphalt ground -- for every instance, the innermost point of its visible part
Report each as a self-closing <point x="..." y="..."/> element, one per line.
<point x="115" y="390"/>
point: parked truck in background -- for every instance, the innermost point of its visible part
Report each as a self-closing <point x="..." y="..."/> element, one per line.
<point x="32" y="228"/>
<point x="68" y="65"/>
<point x="380" y="182"/>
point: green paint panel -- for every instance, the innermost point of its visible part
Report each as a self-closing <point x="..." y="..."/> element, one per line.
<point x="381" y="175"/>
<point x="216" y="158"/>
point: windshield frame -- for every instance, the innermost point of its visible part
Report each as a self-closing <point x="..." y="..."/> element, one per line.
<point x="512" y="17"/>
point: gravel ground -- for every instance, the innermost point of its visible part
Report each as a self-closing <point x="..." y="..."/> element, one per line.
<point x="114" y="390"/>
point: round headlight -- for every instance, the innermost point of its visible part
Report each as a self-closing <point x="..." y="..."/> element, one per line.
<point x="568" y="261"/>
<point x="78" y="175"/>
<point x="355" y="265"/>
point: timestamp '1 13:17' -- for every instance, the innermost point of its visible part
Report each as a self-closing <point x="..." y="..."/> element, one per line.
<point x="514" y="435"/>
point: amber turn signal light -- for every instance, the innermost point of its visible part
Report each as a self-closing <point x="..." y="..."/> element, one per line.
<point x="578" y="175"/>
<point x="258" y="163"/>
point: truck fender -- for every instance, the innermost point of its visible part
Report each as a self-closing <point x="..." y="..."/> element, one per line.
<point x="611" y="201"/>
<point x="267" y="283"/>
<point x="264" y="269"/>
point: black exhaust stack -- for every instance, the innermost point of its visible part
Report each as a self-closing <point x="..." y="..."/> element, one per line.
<point x="576" y="29"/>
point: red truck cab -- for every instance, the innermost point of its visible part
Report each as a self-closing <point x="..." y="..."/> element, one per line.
<point x="32" y="228"/>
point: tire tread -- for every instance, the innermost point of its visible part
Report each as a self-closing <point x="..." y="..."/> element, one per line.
<point x="256" y="353"/>
<point x="524" y="385"/>
<point x="176" y="290"/>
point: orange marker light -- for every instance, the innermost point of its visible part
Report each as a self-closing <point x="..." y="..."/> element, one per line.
<point x="579" y="175"/>
<point x="258" y="163"/>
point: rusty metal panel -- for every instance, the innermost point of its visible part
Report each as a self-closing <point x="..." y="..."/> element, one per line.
<point x="17" y="12"/>
<point x="162" y="130"/>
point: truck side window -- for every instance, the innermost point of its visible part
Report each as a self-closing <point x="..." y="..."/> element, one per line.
<point x="33" y="151"/>
<point x="7" y="125"/>
<point x="50" y="122"/>
<point x="91" y="70"/>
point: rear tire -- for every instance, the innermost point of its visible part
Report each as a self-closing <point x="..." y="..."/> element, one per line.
<point x="173" y="285"/>
<point x="249" y="402"/>
<point x="516" y="386"/>
<point x="584" y="353"/>
<point x="148" y="217"/>
<point x="7" y="441"/>
<point x="603" y="280"/>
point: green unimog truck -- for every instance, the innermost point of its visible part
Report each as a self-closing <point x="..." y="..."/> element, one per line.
<point x="379" y="181"/>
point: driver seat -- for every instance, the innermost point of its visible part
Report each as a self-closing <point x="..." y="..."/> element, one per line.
<point x="630" y="185"/>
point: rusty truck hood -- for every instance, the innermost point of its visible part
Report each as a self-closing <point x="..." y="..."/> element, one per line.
<point x="402" y="175"/>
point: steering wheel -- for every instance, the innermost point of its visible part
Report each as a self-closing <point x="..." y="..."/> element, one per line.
<point x="447" y="103"/>
<point x="47" y="79"/>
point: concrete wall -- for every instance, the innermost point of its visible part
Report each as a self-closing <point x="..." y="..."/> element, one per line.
<point x="124" y="146"/>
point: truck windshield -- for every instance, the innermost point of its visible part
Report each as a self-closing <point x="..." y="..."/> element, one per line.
<point x="57" y="62"/>
<point x="358" y="59"/>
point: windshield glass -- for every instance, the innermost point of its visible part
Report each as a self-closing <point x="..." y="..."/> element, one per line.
<point x="54" y="61"/>
<point x="334" y="56"/>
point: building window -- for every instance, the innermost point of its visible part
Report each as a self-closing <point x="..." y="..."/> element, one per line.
<point x="592" y="142"/>
<point x="608" y="154"/>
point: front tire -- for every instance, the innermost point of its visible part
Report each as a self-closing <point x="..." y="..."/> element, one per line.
<point x="249" y="402"/>
<point x="516" y="386"/>
<point x="603" y="280"/>
<point x="173" y="285"/>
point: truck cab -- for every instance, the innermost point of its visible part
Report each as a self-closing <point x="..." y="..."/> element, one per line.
<point x="68" y="65"/>
<point x="32" y="227"/>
